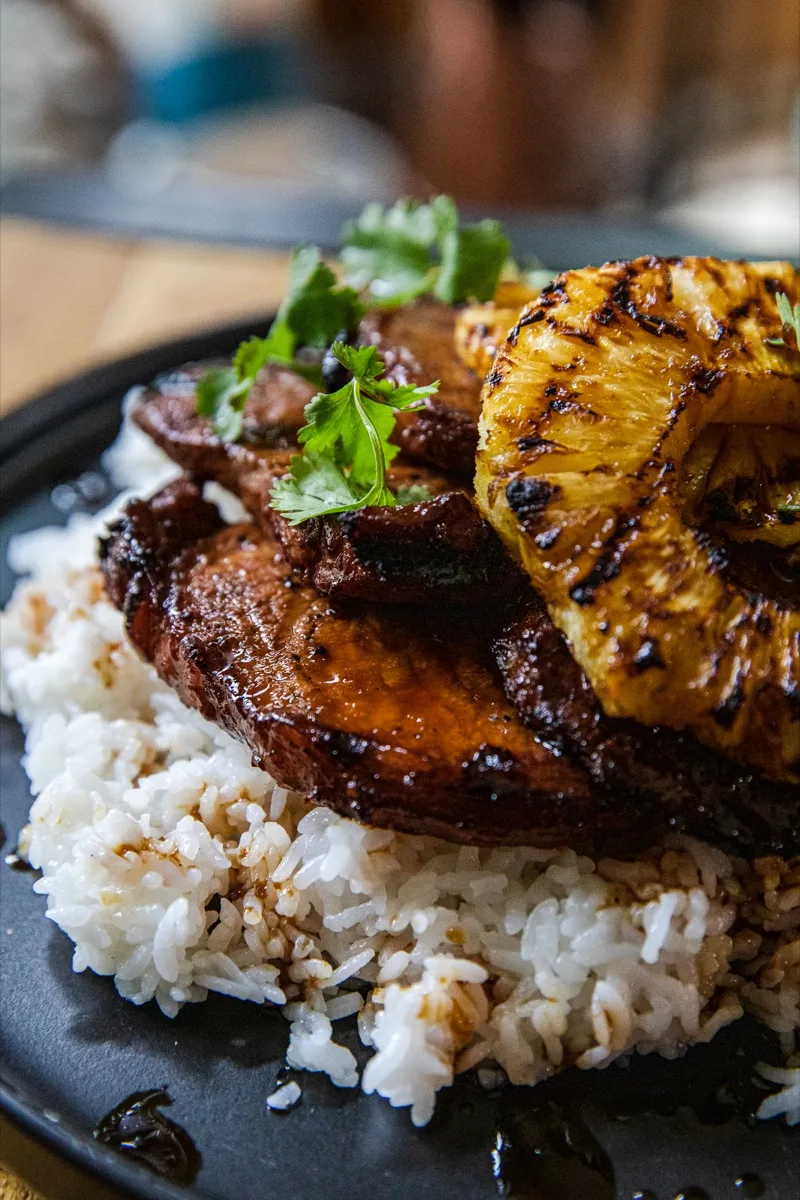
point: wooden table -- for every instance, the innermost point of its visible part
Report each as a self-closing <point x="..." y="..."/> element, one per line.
<point x="69" y="301"/>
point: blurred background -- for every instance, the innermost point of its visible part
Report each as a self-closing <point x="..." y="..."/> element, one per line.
<point x="209" y="117"/>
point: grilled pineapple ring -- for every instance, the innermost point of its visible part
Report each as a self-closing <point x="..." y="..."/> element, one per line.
<point x="588" y="414"/>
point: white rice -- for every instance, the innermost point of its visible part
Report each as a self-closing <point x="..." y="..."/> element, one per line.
<point x="178" y="868"/>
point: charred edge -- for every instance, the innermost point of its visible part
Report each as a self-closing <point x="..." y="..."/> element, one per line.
<point x="495" y="377"/>
<point x="607" y="567"/>
<point x="532" y="442"/>
<point x="715" y="553"/>
<point x="528" y="497"/>
<point x="531" y="318"/>
<point x="492" y="770"/>
<point x="605" y="315"/>
<point x="571" y="331"/>
<point x="658" y="326"/>
<point x="763" y="624"/>
<point x="725" y="714"/>
<point x="706" y="380"/>
<point x="648" y="656"/>
<point x="772" y="285"/>
<point x="554" y="292"/>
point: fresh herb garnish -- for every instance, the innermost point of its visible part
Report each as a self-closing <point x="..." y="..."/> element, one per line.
<point x="346" y="441"/>
<point x="403" y="252"/>
<point x="314" y="311"/>
<point x="790" y="320"/>
<point x="412" y="493"/>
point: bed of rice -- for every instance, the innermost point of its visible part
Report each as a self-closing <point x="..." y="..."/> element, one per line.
<point x="178" y="868"/>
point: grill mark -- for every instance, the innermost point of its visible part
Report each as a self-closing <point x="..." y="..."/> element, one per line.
<point x="658" y="326"/>
<point x="533" y="442"/>
<point x="648" y="656"/>
<point x="607" y="566"/>
<point x="528" y="497"/>
<point x="725" y="714"/>
<point x="571" y="331"/>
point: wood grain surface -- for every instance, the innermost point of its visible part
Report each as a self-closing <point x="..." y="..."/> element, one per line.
<point x="71" y="300"/>
<point x="67" y="302"/>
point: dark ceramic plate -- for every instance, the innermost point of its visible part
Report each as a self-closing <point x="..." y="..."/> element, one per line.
<point x="72" y="1049"/>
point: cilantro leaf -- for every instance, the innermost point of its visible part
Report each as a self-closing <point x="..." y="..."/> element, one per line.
<point x="314" y="487"/>
<point x="346" y="441"/>
<point x="790" y="321"/>
<point x="410" y="249"/>
<point x="473" y="258"/>
<point x="315" y="310"/>
<point x="218" y="395"/>
<point x="412" y="493"/>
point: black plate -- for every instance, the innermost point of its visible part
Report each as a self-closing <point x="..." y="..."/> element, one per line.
<point x="72" y="1048"/>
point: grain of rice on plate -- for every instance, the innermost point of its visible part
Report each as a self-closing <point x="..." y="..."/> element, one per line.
<point x="450" y="955"/>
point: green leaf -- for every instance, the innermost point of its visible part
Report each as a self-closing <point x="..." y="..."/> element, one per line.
<point x="388" y="252"/>
<point x="412" y="493"/>
<point x="316" y="309"/>
<point x="393" y="268"/>
<point x="220" y="396"/>
<point x="314" y="487"/>
<point x="473" y="258"/>
<point x="410" y="249"/>
<point x="364" y="362"/>
<point x="790" y="321"/>
<point x="346" y="441"/>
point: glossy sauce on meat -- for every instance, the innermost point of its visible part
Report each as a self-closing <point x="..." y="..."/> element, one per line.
<point x="390" y="716"/>
<point x="702" y="792"/>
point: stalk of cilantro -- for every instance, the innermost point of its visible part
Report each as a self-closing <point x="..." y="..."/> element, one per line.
<point x="346" y="447"/>
<point x="314" y="311"/>
<point x="790" y="323"/>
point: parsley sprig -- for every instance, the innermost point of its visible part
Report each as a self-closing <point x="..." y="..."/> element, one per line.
<point x="400" y="253"/>
<point x="790" y="321"/>
<point x="314" y="311"/>
<point x="345" y="441"/>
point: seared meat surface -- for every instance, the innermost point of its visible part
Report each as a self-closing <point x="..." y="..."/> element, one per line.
<point x="709" y="796"/>
<point x="439" y="548"/>
<point x="417" y="343"/>
<point x="390" y="716"/>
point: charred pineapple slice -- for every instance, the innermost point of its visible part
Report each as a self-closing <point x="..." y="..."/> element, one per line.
<point x="590" y="412"/>
<point x="481" y="328"/>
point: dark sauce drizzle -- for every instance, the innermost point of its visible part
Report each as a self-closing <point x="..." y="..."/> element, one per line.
<point x="750" y="1186"/>
<point x="137" y="1129"/>
<point x="543" y="1153"/>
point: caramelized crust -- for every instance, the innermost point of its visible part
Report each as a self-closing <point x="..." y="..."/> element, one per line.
<point x="393" y="717"/>
<point x="705" y="794"/>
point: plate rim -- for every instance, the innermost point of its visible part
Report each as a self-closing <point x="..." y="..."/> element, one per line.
<point x="63" y="400"/>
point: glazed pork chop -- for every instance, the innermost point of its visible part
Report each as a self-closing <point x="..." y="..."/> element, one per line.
<point x="716" y="798"/>
<point x="436" y="549"/>
<point x="391" y="716"/>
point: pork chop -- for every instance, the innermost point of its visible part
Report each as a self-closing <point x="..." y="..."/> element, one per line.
<point x="436" y="549"/>
<point x="391" y="716"/>
<point x="709" y="796"/>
